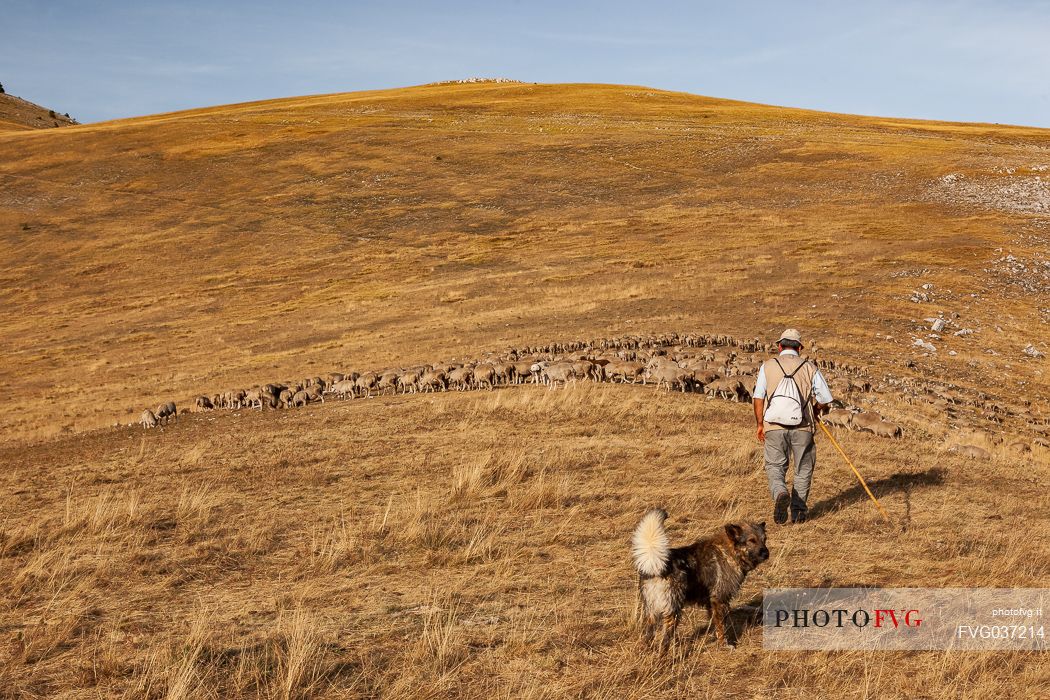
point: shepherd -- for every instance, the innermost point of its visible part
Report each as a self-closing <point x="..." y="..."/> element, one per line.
<point x="786" y="422"/>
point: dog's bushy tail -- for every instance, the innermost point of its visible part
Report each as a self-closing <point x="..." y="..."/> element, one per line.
<point x="650" y="546"/>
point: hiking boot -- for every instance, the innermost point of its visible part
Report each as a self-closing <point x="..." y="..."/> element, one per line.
<point x="780" y="509"/>
<point x="798" y="516"/>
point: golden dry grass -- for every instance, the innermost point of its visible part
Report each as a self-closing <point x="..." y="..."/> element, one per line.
<point x="17" y="114"/>
<point x="471" y="545"/>
<point x="475" y="544"/>
<point x="157" y="257"/>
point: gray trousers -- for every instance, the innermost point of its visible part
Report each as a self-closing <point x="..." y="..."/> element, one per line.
<point x="799" y="444"/>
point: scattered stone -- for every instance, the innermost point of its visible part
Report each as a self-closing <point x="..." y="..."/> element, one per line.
<point x="952" y="353"/>
<point x="1031" y="351"/>
<point x="963" y="332"/>
<point x="928" y="347"/>
<point x="937" y="326"/>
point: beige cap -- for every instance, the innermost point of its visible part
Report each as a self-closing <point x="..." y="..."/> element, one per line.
<point x="791" y="334"/>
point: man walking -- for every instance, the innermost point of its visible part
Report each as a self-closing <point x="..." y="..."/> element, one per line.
<point x="786" y="421"/>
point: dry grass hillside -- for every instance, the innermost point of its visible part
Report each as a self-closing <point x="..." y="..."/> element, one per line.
<point x="154" y="257"/>
<point x="474" y="544"/>
<point x="17" y="114"/>
<point x="471" y="545"/>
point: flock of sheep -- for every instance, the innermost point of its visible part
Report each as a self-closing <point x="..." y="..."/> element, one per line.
<point x="716" y="365"/>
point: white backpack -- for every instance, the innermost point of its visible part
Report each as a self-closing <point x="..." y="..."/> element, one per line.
<point x="785" y="404"/>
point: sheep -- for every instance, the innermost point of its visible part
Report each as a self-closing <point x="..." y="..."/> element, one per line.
<point x="407" y="382"/>
<point x="203" y="403"/>
<point x="167" y="411"/>
<point x="625" y="371"/>
<point x="432" y="381"/>
<point x="886" y="429"/>
<point x="866" y="421"/>
<point x="971" y="452"/>
<point x="522" y="372"/>
<point x="672" y="376"/>
<point x="1018" y="444"/>
<point x="839" y="417"/>
<point x="484" y="375"/>
<point x="253" y="398"/>
<point x="388" y="380"/>
<point x="300" y="398"/>
<point x="584" y="369"/>
<point x="148" y="419"/>
<point x="559" y="372"/>
<point x="723" y="388"/>
<point x="461" y="378"/>
<point x="343" y="388"/>
<point x="366" y="382"/>
<point x="504" y="373"/>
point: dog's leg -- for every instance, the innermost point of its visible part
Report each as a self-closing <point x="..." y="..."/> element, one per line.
<point x="670" y="625"/>
<point x="719" y="612"/>
<point x="649" y="630"/>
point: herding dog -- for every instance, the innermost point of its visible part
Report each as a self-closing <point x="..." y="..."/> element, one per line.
<point x="708" y="572"/>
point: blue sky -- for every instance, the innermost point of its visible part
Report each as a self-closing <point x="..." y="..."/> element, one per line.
<point x="967" y="61"/>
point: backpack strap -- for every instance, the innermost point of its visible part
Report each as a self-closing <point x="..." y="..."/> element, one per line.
<point x="792" y="375"/>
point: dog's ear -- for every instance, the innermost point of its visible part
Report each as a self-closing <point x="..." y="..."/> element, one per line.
<point x="762" y="526"/>
<point x="735" y="532"/>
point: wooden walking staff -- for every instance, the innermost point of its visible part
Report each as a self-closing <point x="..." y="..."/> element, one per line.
<point x="859" y="477"/>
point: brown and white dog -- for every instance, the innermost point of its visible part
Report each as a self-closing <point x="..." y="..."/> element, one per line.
<point x="708" y="572"/>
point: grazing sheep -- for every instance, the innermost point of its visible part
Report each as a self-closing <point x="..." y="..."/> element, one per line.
<point x="167" y="411"/>
<point x="203" y="403"/>
<point x="300" y="398"/>
<point x="703" y="377"/>
<point x="723" y="388"/>
<point x="365" y="383"/>
<point x="461" y="378"/>
<point x="408" y="381"/>
<point x="484" y="375"/>
<point x="433" y="381"/>
<point x="503" y="373"/>
<point x="866" y="420"/>
<point x="672" y="377"/>
<point x="148" y="419"/>
<point x="626" y="371"/>
<point x="972" y="452"/>
<point x="343" y="389"/>
<point x="563" y="372"/>
<point x="839" y="417"/>
<point x="388" y="380"/>
<point x="253" y="398"/>
<point x="522" y="372"/>
<point x="886" y="429"/>
<point x="1018" y="444"/>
